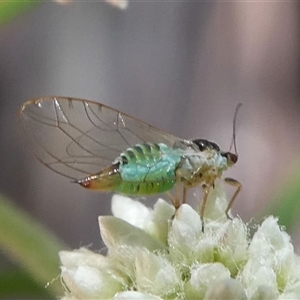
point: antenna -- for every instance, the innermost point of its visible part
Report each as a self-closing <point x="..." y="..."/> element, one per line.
<point x="233" y="143"/>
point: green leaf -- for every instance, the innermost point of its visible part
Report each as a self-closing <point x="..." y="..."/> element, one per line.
<point x="10" y="9"/>
<point x="17" y="283"/>
<point x="30" y="246"/>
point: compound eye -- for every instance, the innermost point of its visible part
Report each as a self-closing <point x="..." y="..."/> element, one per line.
<point x="202" y="144"/>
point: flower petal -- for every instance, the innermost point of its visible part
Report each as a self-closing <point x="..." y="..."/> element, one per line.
<point x="184" y="235"/>
<point x="289" y="296"/>
<point x="264" y="293"/>
<point x="131" y="211"/>
<point x="88" y="282"/>
<point x="130" y="295"/>
<point x="225" y="289"/>
<point x="116" y="233"/>
<point x="82" y="256"/>
<point x="156" y="221"/>
<point x="202" y="276"/>
<point x="232" y="247"/>
<point x="270" y="259"/>
<point x="125" y="242"/>
<point x="161" y="219"/>
<point x="156" y="275"/>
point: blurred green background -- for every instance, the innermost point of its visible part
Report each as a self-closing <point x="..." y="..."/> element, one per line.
<point x="181" y="66"/>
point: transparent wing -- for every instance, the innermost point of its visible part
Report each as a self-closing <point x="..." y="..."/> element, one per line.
<point x="76" y="138"/>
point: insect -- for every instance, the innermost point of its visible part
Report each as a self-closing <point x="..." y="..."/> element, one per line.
<point x="103" y="149"/>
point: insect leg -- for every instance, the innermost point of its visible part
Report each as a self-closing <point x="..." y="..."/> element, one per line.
<point x="238" y="185"/>
<point x="173" y="199"/>
<point x="185" y="188"/>
<point x="203" y="205"/>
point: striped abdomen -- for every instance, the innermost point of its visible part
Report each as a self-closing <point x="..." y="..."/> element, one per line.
<point x="141" y="170"/>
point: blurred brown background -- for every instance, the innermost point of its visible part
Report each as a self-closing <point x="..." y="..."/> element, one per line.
<point x="180" y="66"/>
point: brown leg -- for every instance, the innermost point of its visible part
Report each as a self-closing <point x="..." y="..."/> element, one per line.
<point x="185" y="188"/>
<point x="203" y="205"/>
<point x="238" y="186"/>
<point x="174" y="200"/>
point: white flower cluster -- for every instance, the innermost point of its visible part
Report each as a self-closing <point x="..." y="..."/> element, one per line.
<point x="154" y="254"/>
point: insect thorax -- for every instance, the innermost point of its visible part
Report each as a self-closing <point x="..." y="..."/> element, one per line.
<point x="199" y="167"/>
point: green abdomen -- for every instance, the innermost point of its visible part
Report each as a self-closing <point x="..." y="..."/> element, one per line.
<point x="147" y="169"/>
